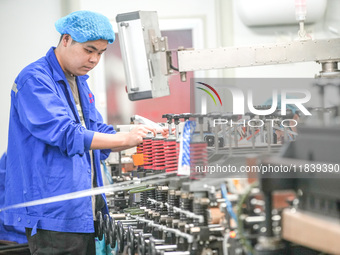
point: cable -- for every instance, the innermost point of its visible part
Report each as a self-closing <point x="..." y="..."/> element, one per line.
<point x="108" y="176"/>
<point x="126" y="185"/>
<point x="240" y="228"/>
<point x="229" y="206"/>
<point x="175" y="68"/>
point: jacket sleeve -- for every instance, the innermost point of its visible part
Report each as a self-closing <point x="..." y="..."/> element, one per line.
<point x="104" y="128"/>
<point x="43" y="113"/>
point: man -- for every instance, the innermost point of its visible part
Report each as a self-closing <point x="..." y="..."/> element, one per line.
<point x="57" y="139"/>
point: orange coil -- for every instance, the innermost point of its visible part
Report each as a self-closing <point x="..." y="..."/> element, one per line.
<point x="147" y="153"/>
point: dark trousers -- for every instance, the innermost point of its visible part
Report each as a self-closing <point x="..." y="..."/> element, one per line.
<point x="46" y="242"/>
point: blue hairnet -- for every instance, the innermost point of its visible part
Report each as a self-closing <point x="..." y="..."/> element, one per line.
<point x="85" y="26"/>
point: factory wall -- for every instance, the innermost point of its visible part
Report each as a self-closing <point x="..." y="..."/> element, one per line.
<point x="27" y="32"/>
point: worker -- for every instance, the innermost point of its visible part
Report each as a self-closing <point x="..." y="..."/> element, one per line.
<point x="57" y="139"/>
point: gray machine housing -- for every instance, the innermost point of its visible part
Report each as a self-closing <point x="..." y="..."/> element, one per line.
<point x="144" y="61"/>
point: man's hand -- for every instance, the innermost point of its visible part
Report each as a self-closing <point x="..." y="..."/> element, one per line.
<point x="136" y="135"/>
<point x="164" y="131"/>
<point x="124" y="140"/>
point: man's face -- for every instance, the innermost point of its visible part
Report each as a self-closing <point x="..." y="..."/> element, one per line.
<point x="80" y="58"/>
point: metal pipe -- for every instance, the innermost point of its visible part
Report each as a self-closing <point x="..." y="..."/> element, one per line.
<point x="269" y="136"/>
<point x="216" y="138"/>
<point x="253" y="137"/>
<point x="268" y="213"/>
<point x="235" y="136"/>
<point x="230" y="143"/>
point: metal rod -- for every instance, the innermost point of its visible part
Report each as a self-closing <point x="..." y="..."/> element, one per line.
<point x="216" y="137"/>
<point x="269" y="136"/>
<point x="235" y="136"/>
<point x="268" y="212"/>
<point x="253" y="137"/>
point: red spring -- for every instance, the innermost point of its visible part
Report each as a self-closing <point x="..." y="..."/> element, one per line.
<point x="171" y="155"/>
<point x="158" y="162"/>
<point x="198" y="157"/>
<point x="140" y="148"/>
<point x="147" y="153"/>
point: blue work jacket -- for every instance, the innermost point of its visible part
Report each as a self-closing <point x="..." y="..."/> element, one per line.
<point x="48" y="149"/>
<point x="8" y="233"/>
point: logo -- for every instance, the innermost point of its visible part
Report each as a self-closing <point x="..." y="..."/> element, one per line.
<point x="280" y="100"/>
<point x="208" y="92"/>
<point x="91" y="98"/>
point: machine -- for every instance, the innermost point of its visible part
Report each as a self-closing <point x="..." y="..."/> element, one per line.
<point x="262" y="188"/>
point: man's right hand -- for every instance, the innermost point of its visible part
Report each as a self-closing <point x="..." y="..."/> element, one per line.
<point x="136" y="135"/>
<point x="121" y="140"/>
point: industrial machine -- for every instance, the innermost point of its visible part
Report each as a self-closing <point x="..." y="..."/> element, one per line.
<point x="143" y="52"/>
<point x="218" y="208"/>
<point x="261" y="188"/>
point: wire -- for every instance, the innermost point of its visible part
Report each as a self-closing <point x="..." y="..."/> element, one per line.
<point x="229" y="206"/>
<point x="240" y="228"/>
<point x="126" y="185"/>
<point x="108" y="176"/>
<point x="175" y="68"/>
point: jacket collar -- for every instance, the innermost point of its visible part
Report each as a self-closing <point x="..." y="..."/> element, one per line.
<point x="57" y="72"/>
